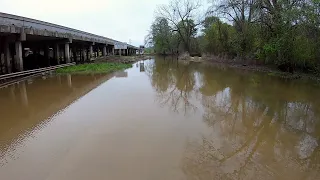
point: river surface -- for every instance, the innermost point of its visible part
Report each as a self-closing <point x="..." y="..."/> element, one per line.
<point x="160" y="120"/>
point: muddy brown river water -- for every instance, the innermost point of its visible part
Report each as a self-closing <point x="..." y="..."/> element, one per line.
<point x="160" y="120"/>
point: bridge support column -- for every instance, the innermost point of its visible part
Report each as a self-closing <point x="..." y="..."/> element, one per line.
<point x="46" y="55"/>
<point x="3" y="71"/>
<point x="90" y="52"/>
<point x="18" y="57"/>
<point x="67" y="52"/>
<point x="56" y="55"/>
<point x="109" y="51"/>
<point x="74" y="54"/>
<point x="104" y="51"/>
<point x="83" y="51"/>
<point x="80" y="55"/>
<point x="7" y="56"/>
<point x="97" y="55"/>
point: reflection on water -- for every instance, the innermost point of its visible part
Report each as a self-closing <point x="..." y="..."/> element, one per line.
<point x="160" y="119"/>
<point x="261" y="127"/>
<point x="28" y="104"/>
<point x="142" y="67"/>
<point x="175" y="85"/>
<point x="121" y="74"/>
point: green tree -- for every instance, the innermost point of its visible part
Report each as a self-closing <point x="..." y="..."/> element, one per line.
<point x="161" y="36"/>
<point x="218" y="36"/>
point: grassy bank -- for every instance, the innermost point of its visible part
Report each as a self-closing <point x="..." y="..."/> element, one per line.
<point x="123" y="59"/>
<point x="94" y="68"/>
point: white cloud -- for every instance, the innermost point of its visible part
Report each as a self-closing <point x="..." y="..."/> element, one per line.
<point x="122" y="20"/>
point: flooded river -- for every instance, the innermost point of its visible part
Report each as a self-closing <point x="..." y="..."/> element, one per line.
<point x="160" y="120"/>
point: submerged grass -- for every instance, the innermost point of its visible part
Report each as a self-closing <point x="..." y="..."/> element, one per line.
<point x="94" y="68"/>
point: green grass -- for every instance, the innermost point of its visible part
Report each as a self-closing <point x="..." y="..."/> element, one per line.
<point x="94" y="68"/>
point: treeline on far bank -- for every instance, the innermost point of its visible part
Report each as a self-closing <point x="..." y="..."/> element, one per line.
<point x="285" y="33"/>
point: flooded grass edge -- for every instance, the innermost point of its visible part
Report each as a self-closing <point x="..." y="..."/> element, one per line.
<point x="94" y="68"/>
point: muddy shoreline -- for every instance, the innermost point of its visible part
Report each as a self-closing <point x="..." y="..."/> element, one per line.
<point x="270" y="70"/>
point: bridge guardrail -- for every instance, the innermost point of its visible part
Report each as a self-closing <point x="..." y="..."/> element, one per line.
<point x="34" y="71"/>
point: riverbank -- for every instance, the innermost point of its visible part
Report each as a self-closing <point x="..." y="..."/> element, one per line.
<point x="94" y="68"/>
<point x="271" y="71"/>
<point x="252" y="66"/>
<point x="274" y="71"/>
<point x="123" y="59"/>
<point x="105" y="64"/>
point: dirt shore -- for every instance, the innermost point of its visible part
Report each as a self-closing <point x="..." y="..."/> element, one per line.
<point x="272" y="71"/>
<point x="251" y="66"/>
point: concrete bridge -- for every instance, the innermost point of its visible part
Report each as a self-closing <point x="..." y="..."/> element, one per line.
<point x="29" y="44"/>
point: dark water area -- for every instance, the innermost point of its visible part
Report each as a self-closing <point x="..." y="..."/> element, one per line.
<point x="160" y="119"/>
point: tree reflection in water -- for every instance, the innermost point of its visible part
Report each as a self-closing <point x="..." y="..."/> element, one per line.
<point x="174" y="84"/>
<point x="262" y="127"/>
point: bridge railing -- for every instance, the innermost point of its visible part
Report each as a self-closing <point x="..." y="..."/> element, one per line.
<point x="34" y="71"/>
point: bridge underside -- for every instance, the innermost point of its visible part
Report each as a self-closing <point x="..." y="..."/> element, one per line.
<point x="19" y="52"/>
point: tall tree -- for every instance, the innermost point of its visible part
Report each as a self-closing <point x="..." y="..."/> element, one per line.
<point x="161" y="36"/>
<point x="182" y="18"/>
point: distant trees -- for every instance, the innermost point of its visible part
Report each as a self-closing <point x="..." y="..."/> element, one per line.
<point x="267" y="31"/>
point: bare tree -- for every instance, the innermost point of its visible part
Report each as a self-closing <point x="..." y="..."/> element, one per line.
<point x="235" y="10"/>
<point x="182" y="16"/>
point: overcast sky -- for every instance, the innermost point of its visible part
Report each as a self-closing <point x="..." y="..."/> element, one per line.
<point x="121" y="20"/>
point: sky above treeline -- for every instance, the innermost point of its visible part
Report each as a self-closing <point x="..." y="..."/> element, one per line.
<point x="122" y="20"/>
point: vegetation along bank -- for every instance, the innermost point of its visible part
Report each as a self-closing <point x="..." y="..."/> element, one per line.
<point x="282" y="34"/>
<point x="94" y="68"/>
